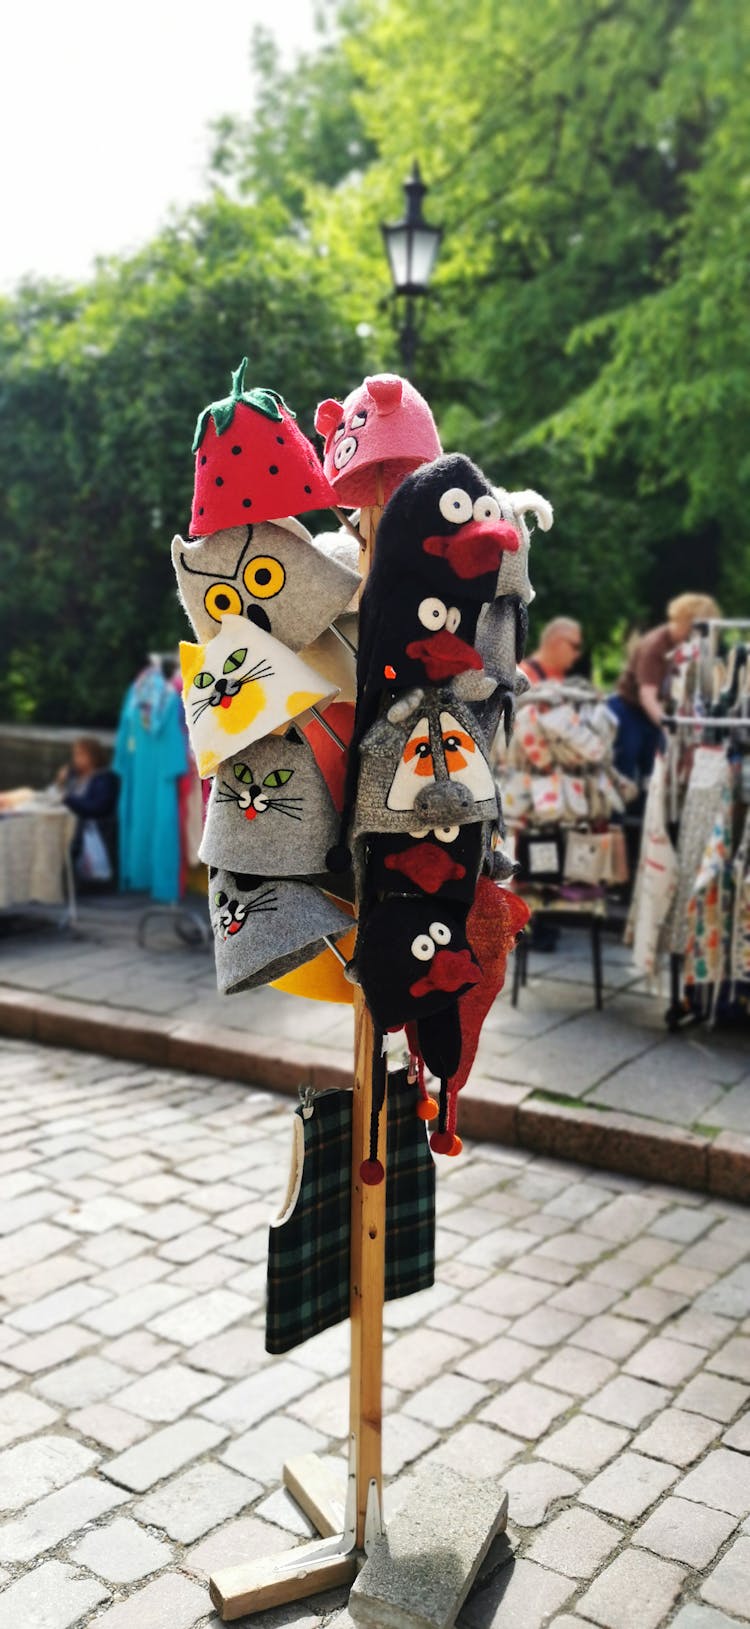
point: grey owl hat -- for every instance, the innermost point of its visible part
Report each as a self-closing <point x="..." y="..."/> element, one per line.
<point x="264" y="928"/>
<point x="271" y="573"/>
<point x="270" y="811"/>
<point x="431" y="769"/>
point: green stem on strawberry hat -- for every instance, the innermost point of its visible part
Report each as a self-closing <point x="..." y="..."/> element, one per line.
<point x="267" y="402"/>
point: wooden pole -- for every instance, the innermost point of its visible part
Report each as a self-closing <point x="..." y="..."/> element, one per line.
<point x="367" y="1273"/>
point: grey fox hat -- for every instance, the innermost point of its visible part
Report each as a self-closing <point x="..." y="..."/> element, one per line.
<point x="264" y="928"/>
<point x="270" y="811"/>
<point x="428" y="769"/>
<point x="272" y="574"/>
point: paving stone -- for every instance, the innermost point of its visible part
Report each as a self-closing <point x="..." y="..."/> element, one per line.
<point x="739" y="1435"/>
<point x="170" y="1602"/>
<point x="191" y="1246"/>
<point x="522" y="1596"/>
<point x="627" y="1401"/>
<point x="533" y="1487"/>
<point x="88" y="1380"/>
<point x="486" y="1450"/>
<point x="131" y="1275"/>
<point x="584" y="1297"/>
<point x="254" y="1399"/>
<point x="198" y="1500"/>
<point x="573" y="1370"/>
<point x="575" y="1543"/>
<point x="629" y="1486"/>
<point x="248" y="1538"/>
<point x="545" y="1326"/>
<point x="650" y="1305"/>
<point x="446" y="1400"/>
<point x="45" y="1523"/>
<point x="682" y="1223"/>
<point x="326" y="1408"/>
<point x="22" y="1415"/>
<point x="729" y="1297"/>
<point x="110" y="1426"/>
<point x="683" y="1531"/>
<point x="163" y="1453"/>
<point x="470" y="1322"/>
<point x="99" y="1215"/>
<point x="166" y="1393"/>
<point x="139" y="1350"/>
<point x="121" y="1552"/>
<point x="733" y="1359"/>
<point x="63" y="1306"/>
<point x="727" y="1586"/>
<point x="50" y="1597"/>
<point x="404" y="1439"/>
<point x="31" y="1469"/>
<point x="503" y="1359"/>
<point x="636" y="1588"/>
<point x="410" y="1361"/>
<point x="53" y="1348"/>
<point x="609" y="1336"/>
<point x="695" y="1616"/>
<point x="136" y="1308"/>
<point x="710" y="1394"/>
<point x="281" y="1509"/>
<point x="508" y="1294"/>
<point x="676" y="1436"/>
<point x="263" y="1452"/>
<point x="699" y="1329"/>
<point x="235" y="1353"/>
<point x="525" y="1409"/>
<point x="723" y="1480"/>
<point x="666" y="1362"/>
<point x="583" y="1444"/>
<point x="196" y="1320"/>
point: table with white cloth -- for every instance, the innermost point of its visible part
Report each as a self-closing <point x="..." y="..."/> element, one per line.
<point x="35" y="862"/>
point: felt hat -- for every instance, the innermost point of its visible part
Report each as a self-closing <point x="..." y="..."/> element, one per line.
<point x="413" y="958"/>
<point x="252" y="462"/>
<point x="239" y="686"/>
<point x="334" y="662"/>
<point x="429" y="770"/>
<point x="495" y="920"/>
<point x="329" y="755"/>
<point x="263" y="928"/>
<point x="323" y="977"/>
<point x="441" y="862"/>
<point x="501" y="639"/>
<point x="382" y="425"/>
<point x="272" y="573"/>
<point x="270" y="811"/>
<point x="513" y="577"/>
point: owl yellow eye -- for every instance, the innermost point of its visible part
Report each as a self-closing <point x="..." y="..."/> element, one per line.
<point x="263" y="577"/>
<point x="222" y="600"/>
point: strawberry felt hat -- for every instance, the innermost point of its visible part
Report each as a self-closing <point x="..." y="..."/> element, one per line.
<point x="384" y="425"/>
<point x="252" y="462"/>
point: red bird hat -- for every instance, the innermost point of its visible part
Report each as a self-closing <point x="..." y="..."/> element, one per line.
<point x="252" y="462"/>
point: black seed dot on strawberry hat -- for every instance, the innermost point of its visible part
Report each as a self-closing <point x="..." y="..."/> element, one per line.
<point x="236" y="450"/>
<point x="219" y="480"/>
<point x="280" y="440"/>
<point x="308" y="489"/>
<point x="273" y="469"/>
<point x="200" y="511"/>
<point x="246" y="503"/>
<point x="203" y="460"/>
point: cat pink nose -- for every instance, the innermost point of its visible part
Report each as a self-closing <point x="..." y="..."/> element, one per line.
<point x="251" y="814"/>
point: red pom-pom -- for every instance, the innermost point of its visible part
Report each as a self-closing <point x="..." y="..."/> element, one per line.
<point x="372" y="1173"/>
<point x="389" y="672"/>
<point x="427" y="1108"/>
<point x="445" y="1142"/>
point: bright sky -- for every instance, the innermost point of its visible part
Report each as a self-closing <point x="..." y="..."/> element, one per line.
<point x="104" y="112"/>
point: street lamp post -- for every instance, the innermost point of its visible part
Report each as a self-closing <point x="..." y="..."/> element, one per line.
<point x="412" y="247"/>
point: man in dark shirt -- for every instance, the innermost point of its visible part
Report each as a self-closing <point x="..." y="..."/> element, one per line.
<point x="640" y="688"/>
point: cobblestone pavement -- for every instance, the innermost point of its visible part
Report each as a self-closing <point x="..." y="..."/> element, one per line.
<point x="554" y="1045"/>
<point x="589" y="1335"/>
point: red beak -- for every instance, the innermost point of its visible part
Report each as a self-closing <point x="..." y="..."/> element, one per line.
<point x="449" y="970"/>
<point x="475" y="548"/>
<point x="427" y="865"/>
<point x="443" y="655"/>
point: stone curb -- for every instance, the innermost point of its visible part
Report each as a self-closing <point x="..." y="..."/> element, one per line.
<point x="491" y="1111"/>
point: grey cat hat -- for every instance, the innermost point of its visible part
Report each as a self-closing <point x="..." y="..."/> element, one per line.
<point x="270" y="811"/>
<point x="264" y="928"/>
<point x="272" y="574"/>
<point x="428" y="769"/>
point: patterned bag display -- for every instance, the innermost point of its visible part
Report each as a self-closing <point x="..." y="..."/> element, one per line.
<point x="308" y="1253"/>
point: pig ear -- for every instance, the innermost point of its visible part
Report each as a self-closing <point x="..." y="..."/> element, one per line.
<point x="386" y="390"/>
<point x="327" y="415"/>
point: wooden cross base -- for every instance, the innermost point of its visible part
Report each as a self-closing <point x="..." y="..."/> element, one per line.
<point x="309" y="1569"/>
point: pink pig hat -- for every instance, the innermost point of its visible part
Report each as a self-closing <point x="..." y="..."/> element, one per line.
<point x="383" y="422"/>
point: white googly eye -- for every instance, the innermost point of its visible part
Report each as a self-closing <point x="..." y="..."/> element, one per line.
<point x="453" y="618"/>
<point x="446" y="834"/>
<point x="345" y="451"/>
<point x="486" y="507"/>
<point x="338" y="432"/>
<point x="422" y="831"/>
<point x="423" y="948"/>
<point x="456" y="505"/>
<point x="440" y="933"/>
<point x="358" y="420"/>
<point x="432" y="614"/>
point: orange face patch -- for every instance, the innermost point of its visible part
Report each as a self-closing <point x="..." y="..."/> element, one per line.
<point x="419" y="749"/>
<point x="458" y="747"/>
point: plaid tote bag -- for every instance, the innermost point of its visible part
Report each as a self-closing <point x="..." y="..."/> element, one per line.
<point x="308" y="1245"/>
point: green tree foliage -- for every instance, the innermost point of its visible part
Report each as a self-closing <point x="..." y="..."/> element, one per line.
<point x="101" y="390"/>
<point x="587" y="333"/>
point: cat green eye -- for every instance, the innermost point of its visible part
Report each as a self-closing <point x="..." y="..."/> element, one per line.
<point x="203" y="680"/>
<point x="278" y="777"/>
<point x="234" y="661"/>
<point x="243" y="773"/>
